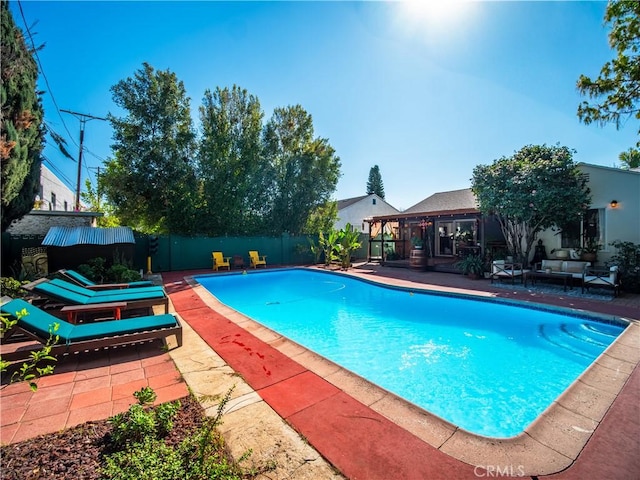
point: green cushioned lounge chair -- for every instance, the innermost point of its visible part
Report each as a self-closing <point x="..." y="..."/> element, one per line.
<point x="87" y="336"/>
<point x="66" y="293"/>
<point x="79" y="279"/>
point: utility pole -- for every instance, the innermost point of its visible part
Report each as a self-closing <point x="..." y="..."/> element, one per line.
<point x="84" y="118"/>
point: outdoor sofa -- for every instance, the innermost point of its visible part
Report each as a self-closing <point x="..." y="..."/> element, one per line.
<point x="575" y="267"/>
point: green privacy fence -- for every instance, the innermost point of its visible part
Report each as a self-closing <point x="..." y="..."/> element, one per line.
<point x="189" y="253"/>
<point x="175" y="252"/>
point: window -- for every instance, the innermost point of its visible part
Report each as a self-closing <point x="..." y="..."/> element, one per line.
<point x="455" y="235"/>
<point x="66" y="206"/>
<point x="587" y="229"/>
<point x="373" y="200"/>
<point x="52" y="205"/>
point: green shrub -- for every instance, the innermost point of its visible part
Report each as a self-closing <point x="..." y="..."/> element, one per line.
<point x="39" y="362"/>
<point x="13" y="288"/>
<point x="141" y="422"/>
<point x="149" y="459"/>
<point x="146" y="456"/>
<point x="121" y="274"/>
<point x="627" y="258"/>
<point x="145" y="395"/>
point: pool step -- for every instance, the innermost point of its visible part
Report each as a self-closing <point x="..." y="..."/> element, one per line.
<point x="587" y="340"/>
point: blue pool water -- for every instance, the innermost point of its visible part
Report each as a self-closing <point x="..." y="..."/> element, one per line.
<point x="488" y="367"/>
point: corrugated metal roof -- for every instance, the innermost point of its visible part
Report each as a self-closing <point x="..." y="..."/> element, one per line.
<point x="69" y="236"/>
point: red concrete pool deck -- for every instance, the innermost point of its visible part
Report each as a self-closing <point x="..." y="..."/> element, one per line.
<point x="359" y="441"/>
<point x="87" y="387"/>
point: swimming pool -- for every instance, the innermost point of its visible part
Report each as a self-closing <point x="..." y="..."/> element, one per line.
<point x="488" y="367"/>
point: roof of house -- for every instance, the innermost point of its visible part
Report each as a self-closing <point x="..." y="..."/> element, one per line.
<point x="69" y="236"/>
<point x="350" y="201"/>
<point x="446" y="201"/>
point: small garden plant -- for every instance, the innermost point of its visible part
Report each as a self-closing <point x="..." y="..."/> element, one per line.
<point x="142" y="452"/>
<point x="39" y="361"/>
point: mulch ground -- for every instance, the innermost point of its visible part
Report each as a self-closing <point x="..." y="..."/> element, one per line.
<point x="76" y="453"/>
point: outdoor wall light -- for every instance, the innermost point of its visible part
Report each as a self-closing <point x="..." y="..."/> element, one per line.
<point x="613" y="204"/>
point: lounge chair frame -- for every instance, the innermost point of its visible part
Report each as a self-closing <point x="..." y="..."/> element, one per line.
<point x="56" y="294"/>
<point x="108" y="341"/>
<point x="78" y="279"/>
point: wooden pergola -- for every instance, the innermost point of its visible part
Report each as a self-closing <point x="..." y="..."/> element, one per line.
<point x="390" y="236"/>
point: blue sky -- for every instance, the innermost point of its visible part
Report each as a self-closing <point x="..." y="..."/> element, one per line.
<point x="424" y="93"/>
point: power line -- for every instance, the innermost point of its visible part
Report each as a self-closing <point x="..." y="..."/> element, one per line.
<point x="46" y="81"/>
<point x="84" y="118"/>
<point x="59" y="173"/>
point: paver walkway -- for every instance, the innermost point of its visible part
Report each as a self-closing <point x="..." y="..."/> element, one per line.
<point x="89" y="386"/>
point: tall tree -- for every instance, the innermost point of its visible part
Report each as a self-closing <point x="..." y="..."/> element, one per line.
<point x="618" y="85"/>
<point x="374" y="184"/>
<point x="305" y="169"/>
<point x="21" y="114"/>
<point x="151" y="182"/>
<point x="231" y="167"/>
<point x="537" y="188"/>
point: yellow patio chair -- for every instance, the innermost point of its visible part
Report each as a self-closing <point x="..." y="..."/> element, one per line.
<point x="257" y="259"/>
<point x="220" y="261"/>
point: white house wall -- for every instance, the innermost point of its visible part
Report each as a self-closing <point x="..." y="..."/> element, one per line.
<point x="620" y="223"/>
<point x="357" y="212"/>
<point x="51" y="184"/>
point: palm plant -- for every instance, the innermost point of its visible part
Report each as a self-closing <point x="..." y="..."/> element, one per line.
<point x="348" y="241"/>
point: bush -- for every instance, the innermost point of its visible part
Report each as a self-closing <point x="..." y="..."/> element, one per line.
<point x="141" y="422"/>
<point x="149" y="459"/>
<point x="13" y="288"/>
<point x="122" y="274"/>
<point x="627" y="258"/>
<point x="119" y="272"/>
<point x="146" y="456"/>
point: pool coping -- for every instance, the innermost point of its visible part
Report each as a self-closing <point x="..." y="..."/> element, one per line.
<point x="549" y="445"/>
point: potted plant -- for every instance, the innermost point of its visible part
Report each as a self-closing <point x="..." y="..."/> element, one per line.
<point x="589" y="251"/>
<point x="472" y="266"/>
<point x="416" y="242"/>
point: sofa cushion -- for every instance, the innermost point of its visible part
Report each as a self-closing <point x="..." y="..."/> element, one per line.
<point x="555" y="265"/>
<point x="574" y="267"/>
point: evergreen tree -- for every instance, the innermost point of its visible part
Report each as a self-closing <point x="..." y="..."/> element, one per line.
<point x="22" y="131"/>
<point x="374" y="184"/>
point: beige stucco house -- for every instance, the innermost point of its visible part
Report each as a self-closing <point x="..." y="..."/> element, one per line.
<point x="614" y="213"/>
